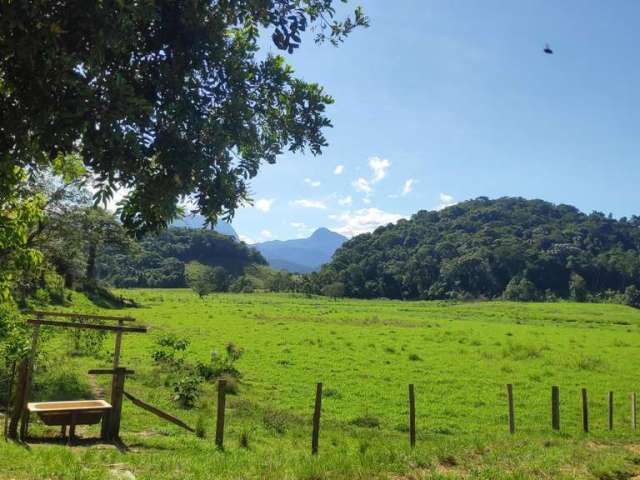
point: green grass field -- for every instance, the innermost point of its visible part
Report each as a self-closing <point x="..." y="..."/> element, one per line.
<point x="459" y="356"/>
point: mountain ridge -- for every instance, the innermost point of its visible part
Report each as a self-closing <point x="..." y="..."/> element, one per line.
<point x="302" y="255"/>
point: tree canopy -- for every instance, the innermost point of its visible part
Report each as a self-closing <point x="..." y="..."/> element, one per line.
<point x="167" y="99"/>
<point x="160" y="260"/>
<point x="522" y="249"/>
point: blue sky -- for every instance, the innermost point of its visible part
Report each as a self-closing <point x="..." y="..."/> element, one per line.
<point x="441" y="101"/>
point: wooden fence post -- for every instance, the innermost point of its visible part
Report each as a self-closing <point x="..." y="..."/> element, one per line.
<point x="634" y="412"/>
<point x="412" y="416"/>
<point x="610" y="410"/>
<point x="117" y="393"/>
<point x="512" y="420"/>
<point x="315" y="433"/>
<point x="585" y="411"/>
<point x="19" y="399"/>
<point x="555" y="407"/>
<point x="220" y="417"/>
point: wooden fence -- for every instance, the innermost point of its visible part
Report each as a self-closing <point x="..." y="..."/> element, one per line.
<point x="511" y="414"/>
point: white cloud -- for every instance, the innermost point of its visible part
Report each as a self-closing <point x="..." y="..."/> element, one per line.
<point x="366" y="200"/>
<point x="304" y="203"/>
<point x="264" y="204"/>
<point x="362" y="185"/>
<point x="408" y="186"/>
<point x="266" y="234"/>
<point x="246" y="239"/>
<point x="302" y="229"/>
<point x="445" y="201"/>
<point x="363" y="220"/>
<point x="338" y="170"/>
<point x="379" y="167"/>
<point x="345" y="201"/>
<point x="313" y="183"/>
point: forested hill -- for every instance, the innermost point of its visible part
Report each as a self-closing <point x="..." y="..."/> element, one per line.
<point x="480" y="248"/>
<point x="159" y="260"/>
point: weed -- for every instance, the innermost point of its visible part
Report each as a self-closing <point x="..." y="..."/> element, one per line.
<point x="366" y="421"/>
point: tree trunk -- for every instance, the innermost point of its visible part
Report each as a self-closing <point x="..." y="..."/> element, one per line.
<point x="91" y="264"/>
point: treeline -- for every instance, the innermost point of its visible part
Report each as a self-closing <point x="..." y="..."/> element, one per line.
<point x="506" y="248"/>
<point x="161" y="260"/>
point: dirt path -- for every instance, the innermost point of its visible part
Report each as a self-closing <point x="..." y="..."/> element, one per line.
<point x="98" y="391"/>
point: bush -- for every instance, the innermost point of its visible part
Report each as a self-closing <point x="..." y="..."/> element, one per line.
<point x="334" y="290"/>
<point x="187" y="391"/>
<point x="276" y="420"/>
<point x="204" y="279"/>
<point x="223" y="364"/>
<point x="521" y="290"/>
<point x="41" y="297"/>
<point x="168" y="347"/>
<point x="632" y="296"/>
<point x="578" y="288"/>
<point x="241" y="284"/>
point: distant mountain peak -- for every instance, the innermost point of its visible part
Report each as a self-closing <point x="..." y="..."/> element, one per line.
<point x="322" y="233"/>
<point x="302" y="254"/>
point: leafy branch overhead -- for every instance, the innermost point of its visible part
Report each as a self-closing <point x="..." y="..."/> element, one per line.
<point x="166" y="99"/>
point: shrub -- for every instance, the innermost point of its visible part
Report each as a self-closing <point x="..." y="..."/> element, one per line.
<point x="414" y="357"/>
<point x="204" y="279"/>
<point x="245" y="436"/>
<point x="231" y="386"/>
<point x="201" y="431"/>
<point x="242" y="284"/>
<point x="521" y="290"/>
<point x="41" y="296"/>
<point x="167" y="350"/>
<point x="334" y="290"/>
<point x="366" y="421"/>
<point x="632" y="296"/>
<point x="276" y="420"/>
<point x="224" y="364"/>
<point x="187" y="391"/>
<point x="578" y="288"/>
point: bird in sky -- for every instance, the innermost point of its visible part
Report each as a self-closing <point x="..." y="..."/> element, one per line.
<point x="547" y="49"/>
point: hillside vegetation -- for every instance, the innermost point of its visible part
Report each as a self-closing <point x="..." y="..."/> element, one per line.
<point x="159" y="260"/>
<point x="366" y="352"/>
<point x="522" y="249"/>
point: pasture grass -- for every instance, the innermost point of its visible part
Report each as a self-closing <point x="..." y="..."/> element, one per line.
<point x="459" y="356"/>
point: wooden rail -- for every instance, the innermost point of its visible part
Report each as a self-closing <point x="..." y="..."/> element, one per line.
<point x="89" y="326"/>
<point x="87" y="316"/>
<point x="158" y="412"/>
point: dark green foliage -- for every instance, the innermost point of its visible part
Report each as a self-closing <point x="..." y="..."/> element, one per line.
<point x="159" y="260"/>
<point x="166" y="98"/>
<point x="333" y="290"/>
<point x="204" y="279"/>
<point x="242" y="284"/>
<point x="169" y="351"/>
<point x="187" y="390"/>
<point x="632" y="296"/>
<point x="488" y="248"/>
<point x="521" y="290"/>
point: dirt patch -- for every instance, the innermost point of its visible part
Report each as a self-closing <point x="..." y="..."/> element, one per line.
<point x="597" y="446"/>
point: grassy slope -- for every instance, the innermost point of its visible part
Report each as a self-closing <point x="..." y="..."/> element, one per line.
<point x="362" y="350"/>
